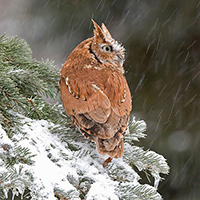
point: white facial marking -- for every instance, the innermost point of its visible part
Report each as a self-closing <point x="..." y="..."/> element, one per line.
<point x="116" y="46"/>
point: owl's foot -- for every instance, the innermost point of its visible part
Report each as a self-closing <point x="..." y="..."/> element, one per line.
<point x="108" y="160"/>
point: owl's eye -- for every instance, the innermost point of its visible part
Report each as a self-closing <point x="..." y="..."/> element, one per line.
<point x="107" y="48"/>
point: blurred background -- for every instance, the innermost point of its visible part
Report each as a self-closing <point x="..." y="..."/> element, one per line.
<point x="162" y="39"/>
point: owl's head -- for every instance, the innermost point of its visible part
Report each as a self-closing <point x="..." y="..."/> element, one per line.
<point x="105" y="48"/>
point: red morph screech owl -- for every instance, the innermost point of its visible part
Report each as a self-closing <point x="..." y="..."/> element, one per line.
<point x="95" y="93"/>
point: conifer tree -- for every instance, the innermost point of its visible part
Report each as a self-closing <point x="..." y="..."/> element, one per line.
<point x="43" y="157"/>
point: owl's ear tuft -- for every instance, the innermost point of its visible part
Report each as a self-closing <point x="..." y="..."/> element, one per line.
<point x="106" y="32"/>
<point x="98" y="32"/>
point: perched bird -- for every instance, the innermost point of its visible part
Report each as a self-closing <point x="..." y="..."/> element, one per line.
<point x="95" y="93"/>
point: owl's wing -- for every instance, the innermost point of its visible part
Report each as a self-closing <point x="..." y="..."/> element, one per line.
<point x="80" y="96"/>
<point x="119" y="94"/>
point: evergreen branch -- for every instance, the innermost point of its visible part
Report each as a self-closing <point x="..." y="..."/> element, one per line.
<point x="138" y="192"/>
<point x="146" y="160"/>
<point x="136" y="130"/>
<point x="23" y="81"/>
<point x="122" y="172"/>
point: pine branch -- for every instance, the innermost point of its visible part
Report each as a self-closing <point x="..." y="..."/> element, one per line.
<point x="122" y="172"/>
<point x="143" y="160"/>
<point x="138" y="192"/>
<point x="136" y="130"/>
<point x="23" y="78"/>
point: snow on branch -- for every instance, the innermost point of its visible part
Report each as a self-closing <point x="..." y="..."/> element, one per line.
<point x="136" y="130"/>
<point x="56" y="171"/>
<point x="138" y="192"/>
<point x="143" y="160"/>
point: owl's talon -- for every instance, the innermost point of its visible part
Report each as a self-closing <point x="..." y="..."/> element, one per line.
<point x="108" y="160"/>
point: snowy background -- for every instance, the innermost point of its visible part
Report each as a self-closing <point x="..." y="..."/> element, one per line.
<point x="162" y="39"/>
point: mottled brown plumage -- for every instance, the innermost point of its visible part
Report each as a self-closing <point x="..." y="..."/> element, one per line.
<point x="95" y="93"/>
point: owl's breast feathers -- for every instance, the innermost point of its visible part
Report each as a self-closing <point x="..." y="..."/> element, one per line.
<point x="97" y="97"/>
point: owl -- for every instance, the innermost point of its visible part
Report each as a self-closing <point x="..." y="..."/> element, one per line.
<point x="95" y="93"/>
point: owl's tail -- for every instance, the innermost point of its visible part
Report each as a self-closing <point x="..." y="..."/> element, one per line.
<point x="109" y="139"/>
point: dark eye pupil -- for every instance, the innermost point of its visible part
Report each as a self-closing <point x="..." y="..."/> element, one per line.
<point x="107" y="49"/>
